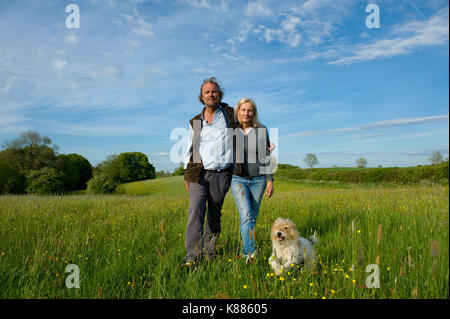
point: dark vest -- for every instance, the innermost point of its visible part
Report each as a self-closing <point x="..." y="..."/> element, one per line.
<point x="195" y="168"/>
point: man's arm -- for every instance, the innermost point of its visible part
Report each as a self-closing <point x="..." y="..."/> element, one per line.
<point x="188" y="154"/>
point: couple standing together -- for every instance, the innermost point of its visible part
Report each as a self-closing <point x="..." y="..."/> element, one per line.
<point x="227" y="149"/>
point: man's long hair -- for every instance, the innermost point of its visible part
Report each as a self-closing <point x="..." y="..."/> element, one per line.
<point x="213" y="81"/>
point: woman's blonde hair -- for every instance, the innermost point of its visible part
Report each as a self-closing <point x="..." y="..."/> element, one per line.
<point x="255" y="121"/>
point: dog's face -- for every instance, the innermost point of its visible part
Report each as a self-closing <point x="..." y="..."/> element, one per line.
<point x="283" y="230"/>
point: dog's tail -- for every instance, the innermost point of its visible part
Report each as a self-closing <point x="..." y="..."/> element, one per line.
<point x="313" y="239"/>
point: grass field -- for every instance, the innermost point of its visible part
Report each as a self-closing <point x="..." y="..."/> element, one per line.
<point x="131" y="246"/>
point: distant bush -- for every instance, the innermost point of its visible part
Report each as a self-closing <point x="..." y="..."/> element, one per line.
<point x="179" y="171"/>
<point x="12" y="180"/>
<point x="286" y="166"/>
<point x="46" y="181"/>
<point x="77" y="170"/>
<point x="402" y="175"/>
<point x="162" y="174"/>
<point x="127" y="167"/>
<point x="102" y="184"/>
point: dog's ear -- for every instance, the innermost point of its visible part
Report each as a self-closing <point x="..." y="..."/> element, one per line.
<point x="292" y="231"/>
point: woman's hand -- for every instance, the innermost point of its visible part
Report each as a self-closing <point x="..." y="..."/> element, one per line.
<point x="270" y="147"/>
<point x="269" y="189"/>
<point x="186" y="185"/>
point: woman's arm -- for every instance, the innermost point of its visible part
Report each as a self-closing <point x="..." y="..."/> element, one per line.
<point x="269" y="189"/>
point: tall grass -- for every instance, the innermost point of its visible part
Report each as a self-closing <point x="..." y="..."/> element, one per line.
<point x="130" y="246"/>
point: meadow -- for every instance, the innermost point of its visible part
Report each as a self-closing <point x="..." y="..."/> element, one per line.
<point x="131" y="244"/>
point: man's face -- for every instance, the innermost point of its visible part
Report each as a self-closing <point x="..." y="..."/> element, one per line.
<point x="210" y="94"/>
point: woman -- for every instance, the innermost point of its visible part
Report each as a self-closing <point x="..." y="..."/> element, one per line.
<point x="252" y="147"/>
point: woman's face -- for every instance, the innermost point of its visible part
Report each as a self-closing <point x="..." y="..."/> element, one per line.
<point x="246" y="113"/>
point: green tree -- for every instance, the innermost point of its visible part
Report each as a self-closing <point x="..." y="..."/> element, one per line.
<point x="127" y="167"/>
<point x="12" y="180"/>
<point x="46" y="181"/>
<point x="101" y="184"/>
<point x="179" y="170"/>
<point x="436" y="157"/>
<point x="310" y="160"/>
<point x="30" y="138"/>
<point x="361" y="162"/>
<point x="77" y="170"/>
<point x="30" y="151"/>
<point x="134" y="166"/>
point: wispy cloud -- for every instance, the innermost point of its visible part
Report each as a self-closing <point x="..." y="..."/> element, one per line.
<point x="287" y="33"/>
<point x="72" y="38"/>
<point x="59" y="64"/>
<point x="209" y="4"/>
<point x="404" y="39"/>
<point x="258" y="9"/>
<point x="111" y="72"/>
<point x="373" y="126"/>
<point x="161" y="154"/>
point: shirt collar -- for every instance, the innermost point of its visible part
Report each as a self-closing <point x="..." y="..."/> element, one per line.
<point x="219" y="108"/>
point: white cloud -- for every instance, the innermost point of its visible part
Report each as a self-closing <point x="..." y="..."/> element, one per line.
<point x="12" y="119"/>
<point x="198" y="3"/>
<point x="241" y="35"/>
<point x="257" y="9"/>
<point x="287" y="34"/>
<point x="111" y="72"/>
<point x="407" y="38"/>
<point x="137" y="23"/>
<point x="143" y="28"/>
<point x="209" y="4"/>
<point x="59" y="64"/>
<point x="72" y="38"/>
<point x="374" y="125"/>
<point x="6" y="89"/>
<point x="309" y="23"/>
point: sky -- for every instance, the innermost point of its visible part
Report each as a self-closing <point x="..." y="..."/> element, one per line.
<point x="325" y="76"/>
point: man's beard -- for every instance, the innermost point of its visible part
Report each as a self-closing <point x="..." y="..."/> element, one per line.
<point x="212" y="104"/>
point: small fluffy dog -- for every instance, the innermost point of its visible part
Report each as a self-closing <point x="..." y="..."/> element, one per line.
<point x="289" y="248"/>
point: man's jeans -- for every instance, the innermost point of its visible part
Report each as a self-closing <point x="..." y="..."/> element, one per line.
<point x="248" y="193"/>
<point x="211" y="188"/>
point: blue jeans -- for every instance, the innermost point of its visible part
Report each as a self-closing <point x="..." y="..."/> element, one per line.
<point x="248" y="193"/>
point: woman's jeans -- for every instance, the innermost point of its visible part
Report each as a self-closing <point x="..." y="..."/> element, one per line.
<point x="248" y="193"/>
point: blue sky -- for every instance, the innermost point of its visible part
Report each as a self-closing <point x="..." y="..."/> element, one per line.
<point x="131" y="74"/>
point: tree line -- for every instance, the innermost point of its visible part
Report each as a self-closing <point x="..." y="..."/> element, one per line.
<point x="30" y="164"/>
<point x="311" y="160"/>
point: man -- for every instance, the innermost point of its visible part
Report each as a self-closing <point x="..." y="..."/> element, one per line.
<point x="208" y="171"/>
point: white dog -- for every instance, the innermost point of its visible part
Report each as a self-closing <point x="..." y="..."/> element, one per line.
<point x="289" y="249"/>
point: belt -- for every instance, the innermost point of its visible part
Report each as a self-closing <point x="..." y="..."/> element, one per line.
<point x="225" y="170"/>
<point x="213" y="170"/>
